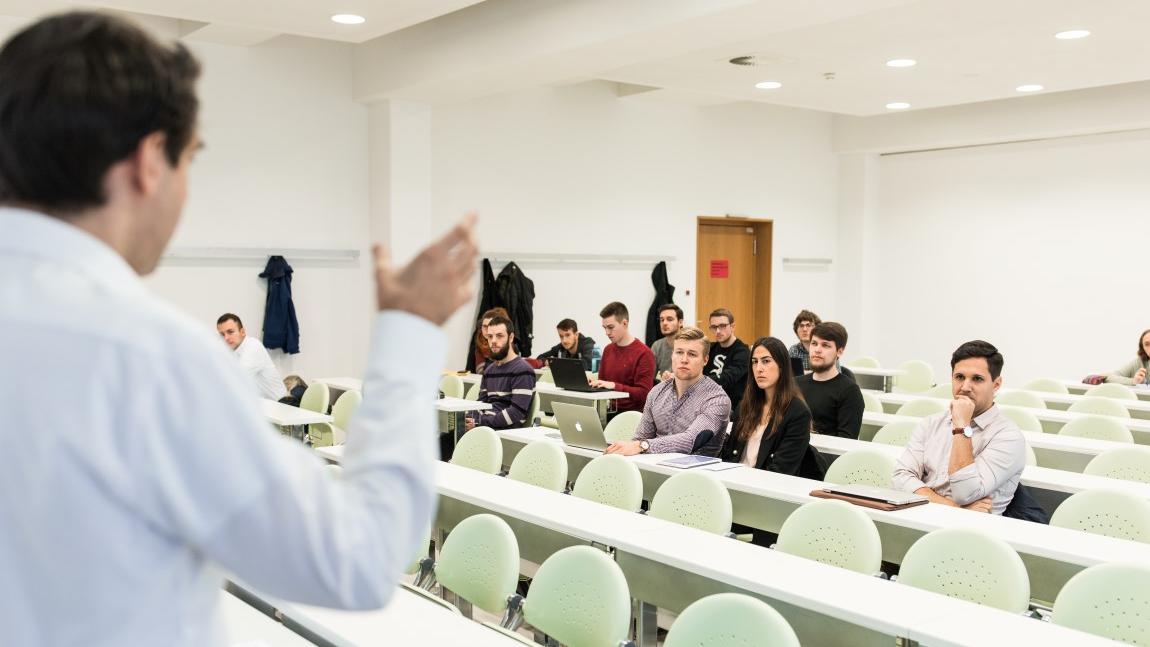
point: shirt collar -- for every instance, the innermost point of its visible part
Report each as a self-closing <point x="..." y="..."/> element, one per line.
<point x="33" y="234"/>
<point x="986" y="417"/>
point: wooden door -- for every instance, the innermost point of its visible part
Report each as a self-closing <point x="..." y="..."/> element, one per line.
<point x="733" y="272"/>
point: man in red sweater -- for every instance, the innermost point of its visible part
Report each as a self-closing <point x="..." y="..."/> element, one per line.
<point x="627" y="364"/>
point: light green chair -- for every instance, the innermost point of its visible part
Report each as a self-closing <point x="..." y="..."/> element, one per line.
<point x="316" y="398"/>
<point x="479" y="562"/>
<point x="579" y="598"/>
<point x="1125" y="463"/>
<point x="863" y="362"/>
<point x="1111" y="513"/>
<point x="922" y="407"/>
<point x="968" y="565"/>
<point x="611" y="480"/>
<point x="533" y="411"/>
<point x="896" y="433"/>
<point x="917" y="376"/>
<point x="861" y="467"/>
<point x="1025" y="420"/>
<point x="1100" y="407"/>
<point x="730" y="620"/>
<point x="944" y="391"/>
<point x="694" y="499"/>
<point x="323" y="434"/>
<point x="1046" y="385"/>
<point x="451" y="386"/>
<point x="1031" y="458"/>
<point x="546" y="376"/>
<point x="1028" y="399"/>
<point x="1098" y="428"/>
<point x="541" y="463"/>
<point x="473" y="392"/>
<point x="622" y="427"/>
<point x="1112" y="390"/>
<point x="345" y="407"/>
<point x="1108" y="600"/>
<point x="834" y="533"/>
<point x="480" y="449"/>
<point x="871" y="402"/>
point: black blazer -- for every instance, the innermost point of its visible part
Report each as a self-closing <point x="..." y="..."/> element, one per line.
<point x="782" y="452"/>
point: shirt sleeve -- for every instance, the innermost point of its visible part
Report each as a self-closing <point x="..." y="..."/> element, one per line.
<point x="1001" y="460"/>
<point x="644" y="379"/>
<point x="1125" y="374"/>
<point x="645" y="430"/>
<point x="261" y="506"/>
<point x="796" y="431"/>
<point x="712" y="417"/>
<point x="909" y="468"/>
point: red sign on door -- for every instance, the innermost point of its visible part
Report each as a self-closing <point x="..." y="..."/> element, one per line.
<point x="720" y="268"/>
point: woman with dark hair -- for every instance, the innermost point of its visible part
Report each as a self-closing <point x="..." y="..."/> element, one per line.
<point x="1136" y="371"/>
<point x="773" y="431"/>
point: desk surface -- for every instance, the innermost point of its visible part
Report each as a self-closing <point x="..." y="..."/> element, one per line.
<point x="1078" y="387"/>
<point x="550" y="389"/>
<point x="876" y="372"/>
<point x="460" y="404"/>
<point x="342" y="383"/>
<point x="247" y="627"/>
<point x="883" y="606"/>
<point x="286" y="415"/>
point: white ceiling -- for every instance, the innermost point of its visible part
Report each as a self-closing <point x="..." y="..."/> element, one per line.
<point x="967" y="51"/>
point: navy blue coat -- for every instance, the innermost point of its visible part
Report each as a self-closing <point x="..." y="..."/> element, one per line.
<point x="281" y="328"/>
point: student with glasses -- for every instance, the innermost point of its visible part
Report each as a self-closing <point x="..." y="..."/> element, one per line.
<point x="729" y="358"/>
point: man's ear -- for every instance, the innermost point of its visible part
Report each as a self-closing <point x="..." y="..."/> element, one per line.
<point x="997" y="383"/>
<point x="149" y="163"/>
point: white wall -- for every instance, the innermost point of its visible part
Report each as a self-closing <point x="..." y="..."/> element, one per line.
<point x="285" y="166"/>
<point x="1036" y="247"/>
<point x="578" y="170"/>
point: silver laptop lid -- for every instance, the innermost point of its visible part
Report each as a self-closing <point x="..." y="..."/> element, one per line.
<point x="580" y="426"/>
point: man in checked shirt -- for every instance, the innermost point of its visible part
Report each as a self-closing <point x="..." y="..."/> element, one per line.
<point x="687" y="414"/>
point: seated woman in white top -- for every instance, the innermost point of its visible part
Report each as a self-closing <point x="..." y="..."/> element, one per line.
<point x="774" y="424"/>
<point x="1136" y="371"/>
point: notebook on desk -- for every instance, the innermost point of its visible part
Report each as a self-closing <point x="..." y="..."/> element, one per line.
<point x="568" y="374"/>
<point x="871" y="497"/>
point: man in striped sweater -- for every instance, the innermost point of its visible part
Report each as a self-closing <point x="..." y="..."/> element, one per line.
<point x="508" y="382"/>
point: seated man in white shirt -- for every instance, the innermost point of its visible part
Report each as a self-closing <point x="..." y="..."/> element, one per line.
<point x="252" y="355"/>
<point x="970" y="456"/>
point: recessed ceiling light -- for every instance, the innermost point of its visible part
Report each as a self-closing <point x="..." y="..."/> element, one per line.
<point x="768" y="85"/>
<point x="897" y="105"/>
<point x="1072" y="34"/>
<point x="348" y="19"/>
<point x="1030" y="87"/>
<point x="901" y="62"/>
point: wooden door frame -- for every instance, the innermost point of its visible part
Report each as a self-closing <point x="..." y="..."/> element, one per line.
<point x="764" y="233"/>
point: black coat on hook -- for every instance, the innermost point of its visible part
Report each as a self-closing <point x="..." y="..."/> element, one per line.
<point x="664" y="294"/>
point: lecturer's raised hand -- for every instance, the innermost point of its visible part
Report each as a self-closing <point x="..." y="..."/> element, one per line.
<point x="436" y="282"/>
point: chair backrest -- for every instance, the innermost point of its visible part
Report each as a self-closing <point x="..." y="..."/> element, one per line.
<point x="316" y="398"/>
<point x="835" y="533"/>
<point x="479" y="561"/>
<point x="861" y="467"/>
<point x="321" y="434"/>
<point x="451" y="386"/>
<point x="1028" y="399"/>
<point x="922" y="407"/>
<point x="864" y="362"/>
<point x="1031" y="458"/>
<point x="1109" y="600"/>
<point x="541" y="463"/>
<point x="895" y="433"/>
<point x="1046" y="385"/>
<point x="532" y="411"/>
<point x="480" y="449"/>
<point x="546" y="376"/>
<point x="1111" y="513"/>
<point x="730" y="620"/>
<point x="622" y="427"/>
<point x="1126" y="463"/>
<point x="694" y="499"/>
<point x="871" y="402"/>
<point x="1098" y="428"/>
<point x="1112" y="390"/>
<point x="1100" y="406"/>
<point x="1025" y="420"/>
<point x="944" y="391"/>
<point x="473" y="392"/>
<point x="917" y="376"/>
<point x="579" y="597"/>
<point x="611" y="480"/>
<point x="344" y="408"/>
<point x="969" y="565"/>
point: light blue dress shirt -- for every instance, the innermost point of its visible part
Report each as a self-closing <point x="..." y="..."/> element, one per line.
<point x="138" y="471"/>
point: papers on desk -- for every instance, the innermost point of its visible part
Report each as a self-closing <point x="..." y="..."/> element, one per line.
<point x="721" y="467"/>
<point x="689" y="461"/>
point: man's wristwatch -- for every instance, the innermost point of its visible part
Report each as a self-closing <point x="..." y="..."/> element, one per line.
<point x="965" y="431"/>
<point x="644" y="446"/>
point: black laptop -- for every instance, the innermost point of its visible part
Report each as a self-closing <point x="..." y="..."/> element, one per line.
<point x="569" y="374"/>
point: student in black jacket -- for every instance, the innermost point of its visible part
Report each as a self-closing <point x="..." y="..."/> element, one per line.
<point x="572" y="344"/>
<point x="729" y="358"/>
<point x="773" y="431"/>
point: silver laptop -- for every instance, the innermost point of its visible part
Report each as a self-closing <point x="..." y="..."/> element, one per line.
<point x="580" y="426"/>
<point x="881" y="494"/>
